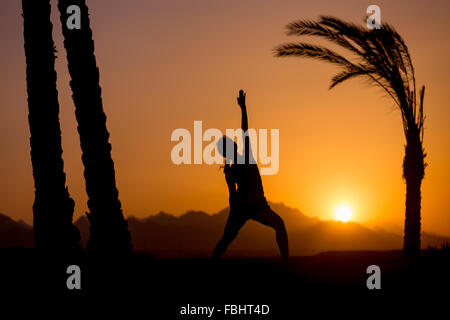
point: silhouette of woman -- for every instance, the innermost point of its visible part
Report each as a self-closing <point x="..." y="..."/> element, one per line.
<point x="247" y="201"/>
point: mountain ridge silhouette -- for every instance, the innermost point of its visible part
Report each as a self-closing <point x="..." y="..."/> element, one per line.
<point x="195" y="233"/>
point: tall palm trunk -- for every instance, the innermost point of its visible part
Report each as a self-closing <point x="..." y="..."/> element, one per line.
<point x="53" y="207"/>
<point x="109" y="230"/>
<point x="413" y="173"/>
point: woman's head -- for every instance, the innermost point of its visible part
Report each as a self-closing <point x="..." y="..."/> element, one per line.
<point x="227" y="148"/>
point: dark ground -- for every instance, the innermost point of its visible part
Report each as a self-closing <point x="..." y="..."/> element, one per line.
<point x="288" y="287"/>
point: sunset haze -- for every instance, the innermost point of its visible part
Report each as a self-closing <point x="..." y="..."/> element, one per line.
<point x="164" y="65"/>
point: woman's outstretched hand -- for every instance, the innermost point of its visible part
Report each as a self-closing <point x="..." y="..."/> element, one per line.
<point x="241" y="98"/>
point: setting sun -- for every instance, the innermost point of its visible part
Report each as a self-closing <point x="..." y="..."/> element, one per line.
<point x="343" y="213"/>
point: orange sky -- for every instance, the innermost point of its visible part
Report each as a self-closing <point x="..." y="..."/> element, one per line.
<point x="167" y="63"/>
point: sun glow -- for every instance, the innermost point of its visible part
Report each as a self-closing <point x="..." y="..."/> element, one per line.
<point x="343" y="213"/>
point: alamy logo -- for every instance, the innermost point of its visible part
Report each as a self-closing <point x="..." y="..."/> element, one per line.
<point x="374" y="280"/>
<point x="74" y="278"/>
<point x="74" y="20"/>
<point x="373" y="17"/>
<point x="217" y="151"/>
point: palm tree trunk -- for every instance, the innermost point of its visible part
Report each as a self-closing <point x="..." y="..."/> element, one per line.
<point x="109" y="230"/>
<point x="53" y="207"/>
<point x="413" y="173"/>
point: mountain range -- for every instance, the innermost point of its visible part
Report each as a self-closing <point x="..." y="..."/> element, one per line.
<point x="195" y="233"/>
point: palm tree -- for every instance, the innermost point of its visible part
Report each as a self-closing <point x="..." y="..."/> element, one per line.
<point x="53" y="206"/>
<point x="382" y="57"/>
<point x="109" y="230"/>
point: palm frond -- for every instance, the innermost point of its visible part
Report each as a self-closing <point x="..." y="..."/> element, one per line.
<point x="312" y="51"/>
<point x="345" y="75"/>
